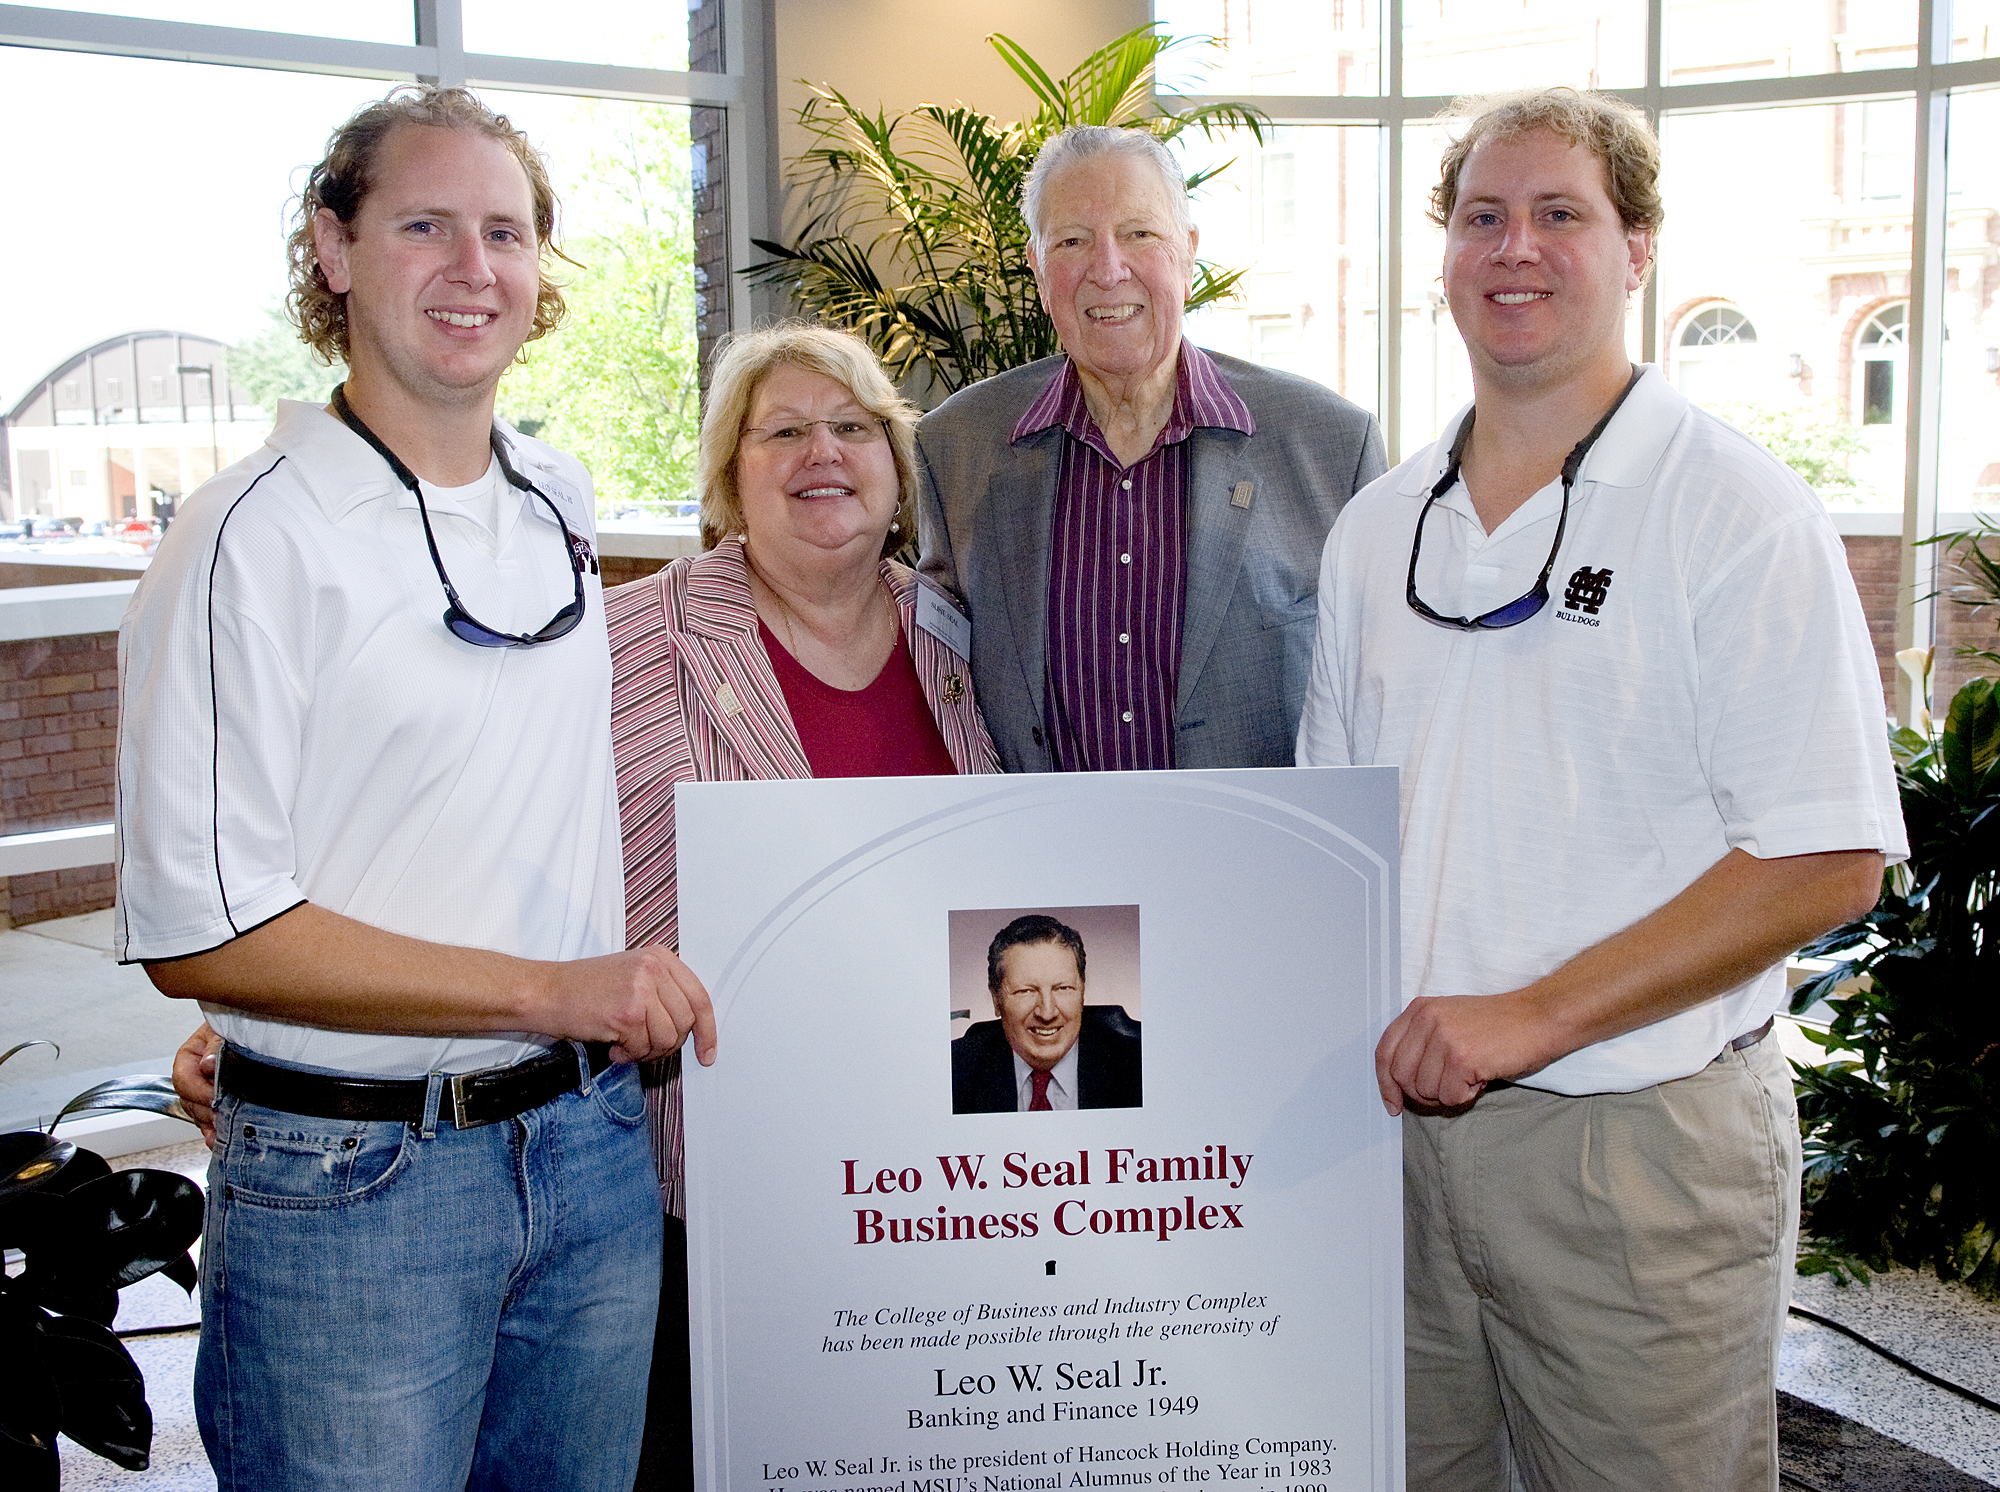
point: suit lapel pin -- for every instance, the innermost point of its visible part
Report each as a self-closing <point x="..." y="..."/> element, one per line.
<point x="726" y="697"/>
<point x="1240" y="498"/>
<point x="954" y="688"/>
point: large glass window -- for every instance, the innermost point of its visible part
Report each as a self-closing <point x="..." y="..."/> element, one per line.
<point x="1297" y="215"/>
<point x="1276" y="46"/>
<point x="1969" y="436"/>
<point x="1807" y="261"/>
<point x="1807" y="239"/>
<point x="629" y="35"/>
<point x="174" y="236"/>
<point x="618" y="386"/>
<point x="1724" y="40"/>
<point x="1475" y="46"/>
<point x="352" y="20"/>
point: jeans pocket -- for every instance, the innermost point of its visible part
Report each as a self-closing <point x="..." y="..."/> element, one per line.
<point x="618" y="1093"/>
<point x="275" y="1159"/>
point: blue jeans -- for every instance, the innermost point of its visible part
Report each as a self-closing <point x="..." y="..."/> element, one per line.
<point x="431" y="1312"/>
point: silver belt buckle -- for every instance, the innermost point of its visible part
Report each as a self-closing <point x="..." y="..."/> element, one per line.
<point x="458" y="1082"/>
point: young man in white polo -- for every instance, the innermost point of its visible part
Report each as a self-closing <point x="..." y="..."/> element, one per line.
<point x="1614" y="647"/>
<point x="367" y="819"/>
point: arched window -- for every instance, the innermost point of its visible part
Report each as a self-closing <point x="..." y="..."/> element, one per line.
<point x="1879" y="350"/>
<point x="1716" y="358"/>
<point x="1717" y="326"/>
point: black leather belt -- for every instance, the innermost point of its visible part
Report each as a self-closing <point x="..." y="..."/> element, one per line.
<point x="468" y="1100"/>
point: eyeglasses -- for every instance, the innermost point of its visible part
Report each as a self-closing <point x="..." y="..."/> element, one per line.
<point x="1520" y="608"/>
<point x="797" y="435"/>
<point x="461" y="623"/>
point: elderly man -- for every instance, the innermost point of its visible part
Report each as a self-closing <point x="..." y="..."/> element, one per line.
<point x="1615" y="650"/>
<point x="367" y="818"/>
<point x="1048" y="1050"/>
<point x="1131" y="526"/>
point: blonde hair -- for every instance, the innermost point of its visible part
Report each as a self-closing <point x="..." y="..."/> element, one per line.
<point x="739" y="371"/>
<point x="1616" y="132"/>
<point x="341" y="182"/>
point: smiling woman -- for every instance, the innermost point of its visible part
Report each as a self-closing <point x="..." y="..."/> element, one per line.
<point x="793" y="648"/>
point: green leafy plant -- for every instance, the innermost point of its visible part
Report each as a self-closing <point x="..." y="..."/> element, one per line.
<point x="914" y="236"/>
<point x="617" y="385"/>
<point x="1979" y="569"/>
<point x="82" y="1232"/>
<point x="276" y="365"/>
<point x="1902" y="1123"/>
<point x="1814" y="440"/>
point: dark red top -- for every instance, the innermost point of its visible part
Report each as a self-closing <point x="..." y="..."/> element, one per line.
<point x="884" y="730"/>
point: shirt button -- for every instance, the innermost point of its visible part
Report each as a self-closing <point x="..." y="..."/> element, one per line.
<point x="1124" y="636"/>
<point x="1124" y="559"/>
<point x="1127" y="717"/>
<point x="1126" y="484"/>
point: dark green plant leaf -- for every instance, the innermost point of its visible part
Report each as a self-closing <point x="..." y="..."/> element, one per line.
<point x="182" y="1272"/>
<point x="103" y="1393"/>
<point x="1971" y="738"/>
<point x="30" y="1405"/>
<point x="26" y="1468"/>
<point x="150" y="1092"/>
<point x="134" y="1223"/>
<point x="22" y="1046"/>
<point x="75" y="1295"/>
<point x="30" y="1160"/>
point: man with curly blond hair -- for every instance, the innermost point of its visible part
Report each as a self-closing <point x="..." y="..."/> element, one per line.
<point x="1613" y="646"/>
<point x="367" y="819"/>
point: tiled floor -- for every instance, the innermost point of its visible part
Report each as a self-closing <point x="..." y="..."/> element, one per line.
<point x="1943" y="1328"/>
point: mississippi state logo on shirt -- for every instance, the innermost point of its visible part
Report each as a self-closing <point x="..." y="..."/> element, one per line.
<point x="1584" y="595"/>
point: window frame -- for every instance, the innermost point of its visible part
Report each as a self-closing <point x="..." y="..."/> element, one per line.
<point x="437" y="55"/>
<point x="1928" y="83"/>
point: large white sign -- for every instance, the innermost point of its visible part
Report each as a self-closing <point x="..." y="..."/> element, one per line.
<point x="1194" y="1278"/>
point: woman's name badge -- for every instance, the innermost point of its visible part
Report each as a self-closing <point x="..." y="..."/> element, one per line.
<point x="944" y="621"/>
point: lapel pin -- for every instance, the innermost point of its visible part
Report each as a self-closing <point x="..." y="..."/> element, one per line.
<point x="1240" y="498"/>
<point x="726" y="697"/>
<point x="954" y="688"/>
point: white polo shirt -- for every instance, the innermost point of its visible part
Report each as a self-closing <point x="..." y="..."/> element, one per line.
<point x="1700" y="681"/>
<point x="298" y="725"/>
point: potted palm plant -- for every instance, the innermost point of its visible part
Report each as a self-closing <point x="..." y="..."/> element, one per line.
<point x="913" y="234"/>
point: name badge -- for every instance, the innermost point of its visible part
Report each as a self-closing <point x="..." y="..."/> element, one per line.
<point x="944" y="621"/>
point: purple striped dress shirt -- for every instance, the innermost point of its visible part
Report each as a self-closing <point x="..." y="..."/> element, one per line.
<point x="1118" y="571"/>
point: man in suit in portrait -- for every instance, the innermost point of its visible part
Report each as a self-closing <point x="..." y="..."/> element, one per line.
<point x="1132" y="526"/>
<point x="1048" y="1050"/>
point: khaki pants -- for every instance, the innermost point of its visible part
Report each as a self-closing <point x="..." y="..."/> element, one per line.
<point x="1594" y="1286"/>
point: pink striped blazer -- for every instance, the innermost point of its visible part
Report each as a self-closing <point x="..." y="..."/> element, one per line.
<point x="694" y="699"/>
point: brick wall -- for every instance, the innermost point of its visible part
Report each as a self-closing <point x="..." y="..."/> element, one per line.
<point x="1960" y="627"/>
<point x="58" y="732"/>
<point x="617" y="569"/>
<point x="1873" y="558"/>
<point x="55" y="893"/>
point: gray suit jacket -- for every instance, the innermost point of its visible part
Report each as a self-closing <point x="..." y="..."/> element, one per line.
<point x="984" y="514"/>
